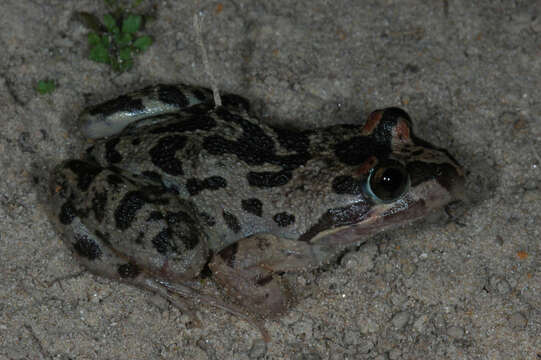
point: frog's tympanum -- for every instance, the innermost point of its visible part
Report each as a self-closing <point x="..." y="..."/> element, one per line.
<point x="174" y="186"/>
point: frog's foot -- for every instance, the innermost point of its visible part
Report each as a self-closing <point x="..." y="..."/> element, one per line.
<point x="186" y="298"/>
<point x="248" y="271"/>
<point x="144" y="107"/>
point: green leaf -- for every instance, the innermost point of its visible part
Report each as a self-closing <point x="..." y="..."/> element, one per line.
<point x="45" y="86"/>
<point x="110" y="23"/>
<point x="100" y="54"/>
<point x="124" y="59"/>
<point x="142" y="43"/>
<point x="131" y="24"/>
<point x="124" y="54"/>
<point x="123" y="39"/>
<point x="104" y="41"/>
<point x="93" y="39"/>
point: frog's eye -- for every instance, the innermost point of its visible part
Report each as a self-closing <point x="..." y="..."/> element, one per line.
<point x="388" y="181"/>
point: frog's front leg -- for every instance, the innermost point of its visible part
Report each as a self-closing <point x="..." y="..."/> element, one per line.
<point x="248" y="269"/>
<point x="144" y="107"/>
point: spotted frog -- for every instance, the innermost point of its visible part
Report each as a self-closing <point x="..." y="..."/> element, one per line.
<point x="175" y="186"/>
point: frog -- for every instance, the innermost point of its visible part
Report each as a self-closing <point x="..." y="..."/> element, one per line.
<point x="175" y="188"/>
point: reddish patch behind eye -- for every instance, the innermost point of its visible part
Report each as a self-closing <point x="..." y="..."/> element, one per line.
<point x="366" y="166"/>
<point x="402" y="131"/>
<point x="372" y="122"/>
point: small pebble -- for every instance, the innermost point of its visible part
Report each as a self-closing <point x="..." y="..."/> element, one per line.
<point x="365" y="346"/>
<point x="420" y="323"/>
<point x="303" y="329"/>
<point x="367" y="325"/>
<point x="409" y="269"/>
<point x="351" y="337"/>
<point x="499" y="285"/>
<point x="518" y="321"/>
<point x="503" y="287"/>
<point x="258" y="349"/>
<point x="395" y="354"/>
<point x="400" y="319"/>
<point x="455" y="332"/>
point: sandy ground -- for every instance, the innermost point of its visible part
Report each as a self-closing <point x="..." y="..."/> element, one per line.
<point x="470" y="76"/>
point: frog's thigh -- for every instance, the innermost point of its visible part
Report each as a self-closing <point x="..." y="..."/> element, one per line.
<point x="247" y="270"/>
<point x="111" y="117"/>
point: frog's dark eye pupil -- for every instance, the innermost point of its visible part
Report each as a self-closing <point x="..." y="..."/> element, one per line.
<point x="388" y="182"/>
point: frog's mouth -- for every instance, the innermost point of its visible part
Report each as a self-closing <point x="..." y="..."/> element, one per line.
<point x="357" y="222"/>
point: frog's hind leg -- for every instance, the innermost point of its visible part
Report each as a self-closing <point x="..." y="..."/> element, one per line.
<point x="111" y="117"/>
<point x="124" y="229"/>
<point x="185" y="297"/>
<point x="146" y="105"/>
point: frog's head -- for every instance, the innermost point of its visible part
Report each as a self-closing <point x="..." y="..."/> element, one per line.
<point x="401" y="179"/>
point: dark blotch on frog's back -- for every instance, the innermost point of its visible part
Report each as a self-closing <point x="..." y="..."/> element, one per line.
<point x="266" y="179"/>
<point x="345" y="184"/>
<point x="133" y="201"/>
<point x="231" y="221"/>
<point x="192" y="123"/>
<point x="180" y="226"/>
<point x="195" y="186"/>
<point x="86" y="247"/>
<point x="161" y="242"/>
<point x="155" y="216"/>
<point x="293" y="140"/>
<point x="122" y="103"/>
<point x="111" y="153"/>
<point x="128" y="270"/>
<point x="127" y="209"/>
<point x="67" y="213"/>
<point x="163" y="154"/>
<point x="115" y="180"/>
<point x="189" y="233"/>
<point x="171" y="95"/>
<point x="256" y="147"/>
<point x="85" y="171"/>
<point x="284" y="219"/>
<point x="252" y="206"/>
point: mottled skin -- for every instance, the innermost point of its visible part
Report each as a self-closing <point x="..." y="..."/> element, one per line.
<point x="178" y="180"/>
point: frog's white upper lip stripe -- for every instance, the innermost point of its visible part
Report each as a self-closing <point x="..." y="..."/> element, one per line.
<point x="415" y="205"/>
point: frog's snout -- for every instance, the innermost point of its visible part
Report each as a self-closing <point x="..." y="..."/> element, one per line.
<point x="452" y="178"/>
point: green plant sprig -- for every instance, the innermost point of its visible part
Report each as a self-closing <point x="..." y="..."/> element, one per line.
<point x="114" y="40"/>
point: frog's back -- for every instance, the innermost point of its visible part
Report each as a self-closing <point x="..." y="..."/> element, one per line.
<point x="243" y="176"/>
